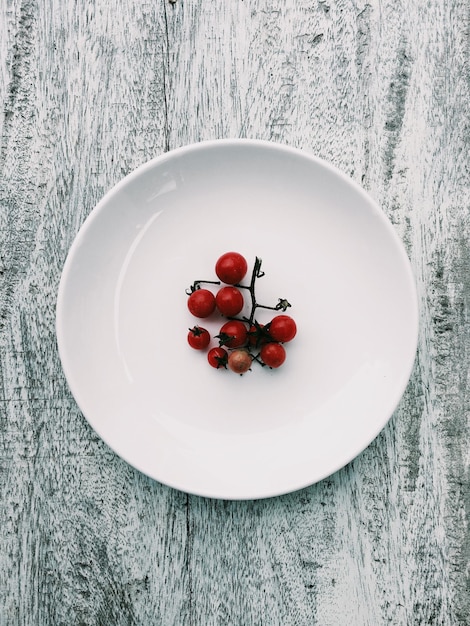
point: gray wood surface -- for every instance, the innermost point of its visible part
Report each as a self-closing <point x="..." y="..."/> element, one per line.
<point x="89" y="90"/>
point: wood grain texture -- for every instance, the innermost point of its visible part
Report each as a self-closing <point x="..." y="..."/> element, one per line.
<point x="91" y="89"/>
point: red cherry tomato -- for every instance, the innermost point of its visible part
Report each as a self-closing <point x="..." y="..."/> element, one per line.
<point x="198" y="338"/>
<point x="201" y="303"/>
<point x="257" y="336"/>
<point x="233" y="334"/>
<point x="273" y="354"/>
<point x="282" y="328"/>
<point x="253" y="336"/>
<point x="217" y="358"/>
<point x="229" y="301"/>
<point x="231" y="268"/>
<point x="239" y="361"/>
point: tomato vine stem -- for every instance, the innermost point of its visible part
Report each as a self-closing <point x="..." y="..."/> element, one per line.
<point x="197" y="285"/>
<point x="283" y="304"/>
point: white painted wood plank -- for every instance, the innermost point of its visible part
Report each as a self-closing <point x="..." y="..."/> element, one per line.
<point x="89" y="91"/>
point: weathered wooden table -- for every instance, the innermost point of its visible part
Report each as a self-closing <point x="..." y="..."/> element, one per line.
<point x="90" y="90"/>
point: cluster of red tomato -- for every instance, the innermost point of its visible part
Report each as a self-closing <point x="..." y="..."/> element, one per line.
<point x="240" y="341"/>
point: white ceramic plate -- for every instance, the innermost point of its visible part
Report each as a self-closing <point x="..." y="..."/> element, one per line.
<point x="122" y="319"/>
